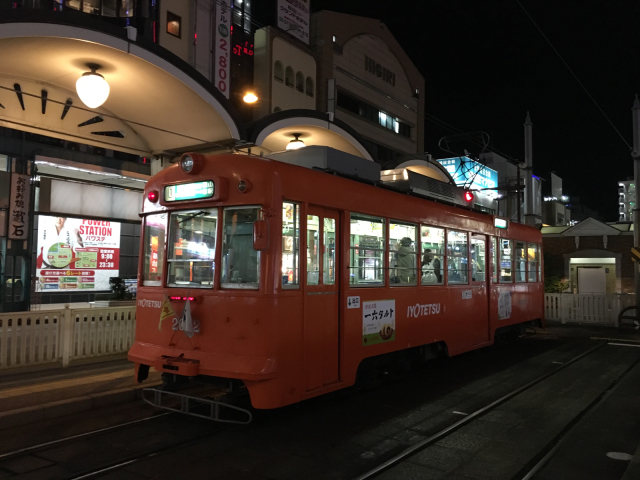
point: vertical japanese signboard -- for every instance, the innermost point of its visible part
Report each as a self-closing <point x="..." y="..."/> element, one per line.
<point x="293" y="18"/>
<point x="378" y="322"/>
<point x="223" y="42"/>
<point x="77" y="254"/>
<point x="19" y="207"/>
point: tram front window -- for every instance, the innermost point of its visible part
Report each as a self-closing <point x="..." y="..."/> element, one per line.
<point x="155" y="228"/>
<point x="192" y="247"/>
<point x="240" y="262"/>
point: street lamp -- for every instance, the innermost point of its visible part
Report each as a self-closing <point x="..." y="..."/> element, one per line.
<point x="296" y="143"/>
<point x="92" y="88"/>
<point x="250" y="97"/>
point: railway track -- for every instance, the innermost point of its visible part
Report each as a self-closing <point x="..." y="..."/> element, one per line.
<point x="545" y="454"/>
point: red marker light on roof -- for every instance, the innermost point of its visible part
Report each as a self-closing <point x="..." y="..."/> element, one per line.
<point x="153" y="196"/>
<point x="468" y="196"/>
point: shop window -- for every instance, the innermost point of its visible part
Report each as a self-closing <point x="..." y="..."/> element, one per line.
<point x="432" y="247"/>
<point x="532" y="257"/>
<point x="367" y="242"/>
<point x="240" y="262"/>
<point x="288" y="77"/>
<point x="478" y="257"/>
<point x="192" y="248"/>
<point x="300" y="82"/>
<point x="457" y="257"/>
<point x="309" y="87"/>
<point x="155" y="228"/>
<point x="494" y="260"/>
<point x="173" y="24"/>
<point x="403" y="258"/>
<point x="505" y="261"/>
<point x="290" y="245"/>
<point x="278" y="71"/>
<point x="521" y="262"/>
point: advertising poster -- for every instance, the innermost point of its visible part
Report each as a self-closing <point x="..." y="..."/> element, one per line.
<point x="378" y="322"/>
<point x="77" y="254"/>
<point x="504" y="306"/>
<point x="293" y="18"/>
<point x="19" y="207"/>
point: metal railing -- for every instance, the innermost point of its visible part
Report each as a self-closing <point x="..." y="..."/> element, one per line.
<point x="40" y="337"/>
<point x="589" y="309"/>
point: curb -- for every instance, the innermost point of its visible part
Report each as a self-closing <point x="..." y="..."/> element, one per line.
<point x="61" y="408"/>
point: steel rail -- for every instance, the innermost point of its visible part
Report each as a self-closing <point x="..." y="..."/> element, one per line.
<point x="412" y="450"/>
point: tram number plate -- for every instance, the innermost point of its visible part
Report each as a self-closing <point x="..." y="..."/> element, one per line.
<point x="353" y="302"/>
<point x="466" y="294"/>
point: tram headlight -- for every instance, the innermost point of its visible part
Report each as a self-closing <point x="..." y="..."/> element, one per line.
<point x="187" y="163"/>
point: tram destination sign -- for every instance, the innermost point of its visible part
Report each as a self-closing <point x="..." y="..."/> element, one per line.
<point x="189" y="191"/>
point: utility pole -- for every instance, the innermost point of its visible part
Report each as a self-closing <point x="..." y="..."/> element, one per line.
<point x="635" y="154"/>
<point x="529" y="210"/>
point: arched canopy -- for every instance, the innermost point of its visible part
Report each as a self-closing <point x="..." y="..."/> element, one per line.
<point x="425" y="166"/>
<point x="274" y="132"/>
<point x="155" y="103"/>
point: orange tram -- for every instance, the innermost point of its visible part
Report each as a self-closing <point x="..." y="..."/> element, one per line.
<point x="296" y="278"/>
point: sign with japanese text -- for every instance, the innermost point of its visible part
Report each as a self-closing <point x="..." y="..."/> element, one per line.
<point x="19" y="207"/>
<point x="293" y="18"/>
<point x="504" y="305"/>
<point x="77" y="254"/>
<point x="222" y="48"/>
<point x="378" y="322"/>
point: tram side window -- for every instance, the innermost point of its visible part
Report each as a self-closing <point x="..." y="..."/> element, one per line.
<point x="403" y="259"/>
<point x="366" y="257"/>
<point x="192" y="247"/>
<point x="290" y="245"/>
<point x="478" y="256"/>
<point x="432" y="245"/>
<point x="521" y="262"/>
<point x="532" y="255"/>
<point x="457" y="257"/>
<point x="313" y="250"/>
<point x="240" y="262"/>
<point x="155" y="228"/>
<point x="494" y="259"/>
<point x="505" y="261"/>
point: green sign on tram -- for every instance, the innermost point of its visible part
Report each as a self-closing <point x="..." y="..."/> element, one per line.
<point x="188" y="191"/>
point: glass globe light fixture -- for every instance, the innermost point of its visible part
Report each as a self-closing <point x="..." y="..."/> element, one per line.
<point x="92" y="88"/>
<point x="296" y="143"/>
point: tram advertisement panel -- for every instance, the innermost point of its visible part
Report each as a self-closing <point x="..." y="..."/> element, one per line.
<point x="378" y="322"/>
<point x="76" y="253"/>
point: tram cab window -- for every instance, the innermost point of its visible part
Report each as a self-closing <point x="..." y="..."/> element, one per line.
<point x="532" y="257"/>
<point x="290" y="245"/>
<point x="155" y="229"/>
<point x="494" y="259"/>
<point x="240" y="262"/>
<point x="432" y="248"/>
<point x="478" y="257"/>
<point x="403" y="258"/>
<point x="521" y="262"/>
<point x="366" y="256"/>
<point x="192" y="247"/>
<point x="457" y="257"/>
<point x="505" y="261"/>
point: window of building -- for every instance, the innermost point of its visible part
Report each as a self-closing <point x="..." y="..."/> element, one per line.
<point x="373" y="114"/>
<point x="173" y="24"/>
<point x="309" y="87"/>
<point x="521" y="262"/>
<point x="290" y="245"/>
<point x="403" y="258"/>
<point x="288" y="77"/>
<point x="155" y="228"/>
<point x="532" y="257"/>
<point x="478" y="258"/>
<point x="300" y="82"/>
<point x="278" y="71"/>
<point x="432" y="247"/>
<point x="367" y="242"/>
<point x="457" y="257"/>
<point x="240" y="262"/>
<point x="494" y="259"/>
<point x="505" y="261"/>
<point x="192" y="248"/>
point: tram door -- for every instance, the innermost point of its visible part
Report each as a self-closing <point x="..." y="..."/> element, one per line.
<point x="321" y="323"/>
<point x="479" y="282"/>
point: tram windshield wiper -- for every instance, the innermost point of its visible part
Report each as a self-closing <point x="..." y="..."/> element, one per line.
<point x="197" y="214"/>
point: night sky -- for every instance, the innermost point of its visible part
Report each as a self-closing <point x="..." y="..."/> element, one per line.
<point x="485" y="65"/>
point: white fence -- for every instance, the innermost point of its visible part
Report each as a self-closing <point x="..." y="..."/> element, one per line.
<point x="586" y="309"/>
<point x="31" y="338"/>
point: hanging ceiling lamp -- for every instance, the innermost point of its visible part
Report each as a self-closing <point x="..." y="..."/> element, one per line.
<point x="92" y="88"/>
<point x="295" y="143"/>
